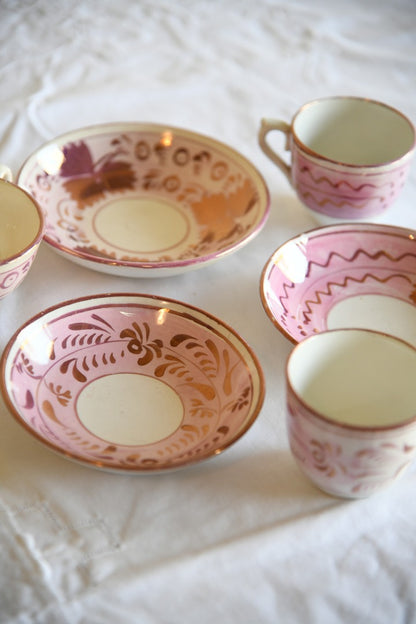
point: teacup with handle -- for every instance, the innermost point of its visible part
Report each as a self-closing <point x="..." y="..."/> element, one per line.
<point x="349" y="156"/>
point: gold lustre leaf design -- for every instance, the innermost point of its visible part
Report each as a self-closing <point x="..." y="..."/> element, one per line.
<point x="49" y="411"/>
<point x="76" y="373"/>
<point x="218" y="213"/>
<point x="140" y="343"/>
<point x="63" y="396"/>
<point x="207" y="391"/>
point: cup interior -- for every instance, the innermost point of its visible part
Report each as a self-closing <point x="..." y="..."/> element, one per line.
<point x="20" y="221"/>
<point x="357" y="378"/>
<point x="354" y="131"/>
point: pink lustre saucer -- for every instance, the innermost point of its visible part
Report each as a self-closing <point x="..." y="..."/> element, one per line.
<point x="361" y="276"/>
<point x="145" y="200"/>
<point x="131" y="383"/>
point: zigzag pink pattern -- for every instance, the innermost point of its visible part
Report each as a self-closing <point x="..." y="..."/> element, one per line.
<point x="286" y="296"/>
<point x="340" y="204"/>
<point x="374" y="256"/>
<point x="286" y="286"/>
<point x="328" y="293"/>
<point x="336" y="185"/>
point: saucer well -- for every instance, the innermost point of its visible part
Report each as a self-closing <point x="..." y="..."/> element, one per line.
<point x="144" y="200"/>
<point x="347" y="275"/>
<point x="131" y="383"/>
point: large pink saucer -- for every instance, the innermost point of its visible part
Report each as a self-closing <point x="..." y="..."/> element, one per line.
<point x="346" y="275"/>
<point x="131" y="383"/>
<point x="145" y="200"/>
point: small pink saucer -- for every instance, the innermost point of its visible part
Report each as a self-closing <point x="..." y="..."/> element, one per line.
<point x="349" y="275"/>
<point x="145" y="200"/>
<point x="131" y="383"/>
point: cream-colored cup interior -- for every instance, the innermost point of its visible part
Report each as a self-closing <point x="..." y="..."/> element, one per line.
<point x="20" y="222"/>
<point x="356" y="377"/>
<point x="354" y="131"/>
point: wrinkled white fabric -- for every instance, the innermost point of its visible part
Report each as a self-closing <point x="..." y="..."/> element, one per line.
<point x="243" y="537"/>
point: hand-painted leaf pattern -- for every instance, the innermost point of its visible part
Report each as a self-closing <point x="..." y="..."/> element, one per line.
<point x="179" y="339"/>
<point x="29" y="400"/>
<point x="77" y="374"/>
<point x="62" y="395"/>
<point x="48" y="409"/>
<point x="214" y="350"/>
<point x="199" y="409"/>
<point x="139" y="343"/>
<point x="227" y="385"/>
<point x="84" y="326"/>
<point x="207" y="391"/>
<point x="78" y="160"/>
<point x="86" y="179"/>
<point x="199" y="368"/>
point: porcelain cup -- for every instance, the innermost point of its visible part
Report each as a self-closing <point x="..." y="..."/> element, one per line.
<point x="349" y="156"/>
<point x="21" y="230"/>
<point x="351" y="409"/>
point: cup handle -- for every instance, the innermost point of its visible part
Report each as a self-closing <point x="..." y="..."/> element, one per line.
<point x="6" y="173"/>
<point x="267" y="125"/>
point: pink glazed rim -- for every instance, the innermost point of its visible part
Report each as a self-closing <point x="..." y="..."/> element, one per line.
<point x="338" y="424"/>
<point x="235" y="408"/>
<point x="312" y="152"/>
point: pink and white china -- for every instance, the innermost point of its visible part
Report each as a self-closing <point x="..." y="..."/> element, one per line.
<point x="145" y="200"/>
<point x="21" y="229"/>
<point x="348" y="275"/>
<point x="350" y="156"/>
<point x="131" y="383"/>
<point x="351" y="410"/>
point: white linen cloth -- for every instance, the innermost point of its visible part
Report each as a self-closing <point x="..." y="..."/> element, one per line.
<point x="243" y="537"/>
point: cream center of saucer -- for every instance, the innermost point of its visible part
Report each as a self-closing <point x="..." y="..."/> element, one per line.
<point x="386" y="314"/>
<point x="129" y="409"/>
<point x="141" y="224"/>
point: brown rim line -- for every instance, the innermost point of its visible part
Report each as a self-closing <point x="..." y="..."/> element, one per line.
<point x="310" y="152"/>
<point x="313" y="413"/>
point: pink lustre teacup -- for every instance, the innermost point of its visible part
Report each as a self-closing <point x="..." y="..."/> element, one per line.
<point x="21" y="230"/>
<point x="351" y="409"/>
<point x="350" y="156"/>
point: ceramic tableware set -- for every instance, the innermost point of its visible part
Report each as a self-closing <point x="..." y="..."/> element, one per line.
<point x="146" y="200"/>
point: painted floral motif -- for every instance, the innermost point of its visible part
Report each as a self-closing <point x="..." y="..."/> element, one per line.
<point x="354" y="466"/>
<point x="206" y="370"/>
<point x="326" y="457"/>
<point x="86" y="180"/>
<point x="140" y="343"/>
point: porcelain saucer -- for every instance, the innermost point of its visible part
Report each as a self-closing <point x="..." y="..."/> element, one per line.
<point x="145" y="200"/>
<point x="131" y="383"/>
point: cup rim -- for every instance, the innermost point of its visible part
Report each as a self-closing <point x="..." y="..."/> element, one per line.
<point x="321" y="157"/>
<point x="328" y="420"/>
<point x="39" y="234"/>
